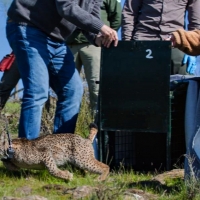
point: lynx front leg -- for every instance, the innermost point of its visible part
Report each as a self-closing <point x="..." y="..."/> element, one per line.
<point x="53" y="169"/>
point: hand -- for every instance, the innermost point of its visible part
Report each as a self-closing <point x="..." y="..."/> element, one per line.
<point x="191" y="62"/>
<point x="109" y="35"/>
<point x="98" y="40"/>
<point x="172" y="39"/>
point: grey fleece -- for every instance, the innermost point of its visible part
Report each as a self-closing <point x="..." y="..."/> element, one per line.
<point x="157" y="19"/>
<point x="58" y="18"/>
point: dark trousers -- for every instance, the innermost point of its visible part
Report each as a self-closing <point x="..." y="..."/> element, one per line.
<point x="8" y="82"/>
<point x="176" y="62"/>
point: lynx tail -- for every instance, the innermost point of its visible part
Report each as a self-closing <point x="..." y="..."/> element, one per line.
<point x="93" y="131"/>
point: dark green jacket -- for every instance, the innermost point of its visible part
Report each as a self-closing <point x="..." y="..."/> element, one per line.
<point x="110" y="15"/>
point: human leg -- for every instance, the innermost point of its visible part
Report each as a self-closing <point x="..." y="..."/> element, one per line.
<point x="197" y="71"/>
<point x="192" y="122"/>
<point x="176" y="62"/>
<point x="8" y="81"/>
<point x="66" y="82"/>
<point x="30" y="48"/>
<point x="90" y="55"/>
<point x="75" y="51"/>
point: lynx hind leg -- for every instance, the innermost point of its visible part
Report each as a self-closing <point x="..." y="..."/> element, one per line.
<point x="53" y="169"/>
<point x="99" y="168"/>
<point x="10" y="166"/>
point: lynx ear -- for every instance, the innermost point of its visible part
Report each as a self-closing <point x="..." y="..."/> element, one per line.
<point x="93" y="131"/>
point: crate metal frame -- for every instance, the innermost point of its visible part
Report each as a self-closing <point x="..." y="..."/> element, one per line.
<point x="134" y="90"/>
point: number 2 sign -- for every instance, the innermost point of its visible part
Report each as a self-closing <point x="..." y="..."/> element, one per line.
<point x="149" y="56"/>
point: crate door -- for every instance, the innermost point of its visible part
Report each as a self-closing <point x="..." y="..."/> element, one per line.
<point x="134" y="86"/>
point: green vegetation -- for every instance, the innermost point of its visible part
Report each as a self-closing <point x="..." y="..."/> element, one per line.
<point x="118" y="185"/>
<point x="40" y="182"/>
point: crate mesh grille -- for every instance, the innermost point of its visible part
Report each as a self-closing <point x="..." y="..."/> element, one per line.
<point x="147" y="151"/>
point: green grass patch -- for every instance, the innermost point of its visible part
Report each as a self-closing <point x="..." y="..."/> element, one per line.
<point x="117" y="183"/>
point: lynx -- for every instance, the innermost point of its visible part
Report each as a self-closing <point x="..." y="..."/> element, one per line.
<point x="51" y="151"/>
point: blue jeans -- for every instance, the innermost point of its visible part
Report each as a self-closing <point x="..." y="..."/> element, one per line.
<point x="96" y="148"/>
<point x="44" y="62"/>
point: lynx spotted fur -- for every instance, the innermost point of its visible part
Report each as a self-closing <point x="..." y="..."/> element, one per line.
<point x="51" y="151"/>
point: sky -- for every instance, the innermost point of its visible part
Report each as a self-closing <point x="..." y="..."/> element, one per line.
<point x="4" y="46"/>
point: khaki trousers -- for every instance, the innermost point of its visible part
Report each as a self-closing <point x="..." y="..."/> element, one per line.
<point x="88" y="57"/>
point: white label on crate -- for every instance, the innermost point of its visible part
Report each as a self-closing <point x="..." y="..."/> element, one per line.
<point x="149" y="56"/>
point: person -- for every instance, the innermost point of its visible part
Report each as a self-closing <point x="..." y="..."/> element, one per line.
<point x="87" y="55"/>
<point x="37" y="37"/>
<point x="192" y="67"/>
<point x="156" y="20"/>
<point x="186" y="41"/>
<point x="111" y="16"/>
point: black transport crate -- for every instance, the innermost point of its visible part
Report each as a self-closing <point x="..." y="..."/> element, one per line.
<point x="135" y="112"/>
<point x="147" y="151"/>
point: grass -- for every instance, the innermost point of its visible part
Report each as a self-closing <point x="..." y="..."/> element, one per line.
<point x="119" y="181"/>
<point x="112" y="188"/>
